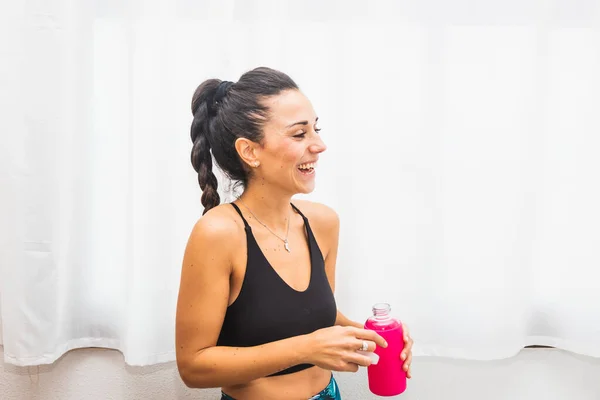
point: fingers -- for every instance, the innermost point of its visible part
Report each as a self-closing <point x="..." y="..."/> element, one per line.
<point x="357" y="359"/>
<point x="408" y="343"/>
<point x="347" y="367"/>
<point x="407" y="349"/>
<point x="406" y="355"/>
<point x="352" y="367"/>
<point x="343" y="366"/>
<point x="407" y="362"/>
<point x="407" y="352"/>
<point x="405" y="331"/>
<point x="369" y="335"/>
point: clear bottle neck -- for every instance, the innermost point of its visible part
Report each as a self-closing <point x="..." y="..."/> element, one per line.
<point x="381" y="311"/>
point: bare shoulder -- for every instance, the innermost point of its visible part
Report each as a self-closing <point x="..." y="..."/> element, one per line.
<point x="217" y="229"/>
<point x="319" y="214"/>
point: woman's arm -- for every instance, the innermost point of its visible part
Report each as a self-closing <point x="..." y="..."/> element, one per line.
<point x="227" y="366"/>
<point x="202" y="303"/>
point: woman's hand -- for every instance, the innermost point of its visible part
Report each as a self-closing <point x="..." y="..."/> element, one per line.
<point x="406" y="354"/>
<point x="334" y="348"/>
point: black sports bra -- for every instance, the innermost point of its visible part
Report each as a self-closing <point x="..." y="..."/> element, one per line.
<point x="268" y="309"/>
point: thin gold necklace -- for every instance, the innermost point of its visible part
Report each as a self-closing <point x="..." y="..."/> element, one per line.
<point x="286" y="244"/>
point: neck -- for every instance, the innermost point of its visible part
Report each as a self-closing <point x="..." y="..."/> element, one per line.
<point x="271" y="207"/>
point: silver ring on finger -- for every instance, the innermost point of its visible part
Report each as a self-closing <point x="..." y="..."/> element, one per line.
<point x="365" y="346"/>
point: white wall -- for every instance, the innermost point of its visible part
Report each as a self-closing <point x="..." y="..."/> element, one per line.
<point x="91" y="374"/>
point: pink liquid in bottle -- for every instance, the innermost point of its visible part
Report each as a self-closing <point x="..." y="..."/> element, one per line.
<point x="386" y="378"/>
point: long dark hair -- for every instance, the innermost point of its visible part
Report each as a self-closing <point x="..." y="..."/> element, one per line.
<point x="224" y="111"/>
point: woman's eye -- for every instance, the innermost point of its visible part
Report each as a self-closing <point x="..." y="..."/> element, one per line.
<point x="302" y="134"/>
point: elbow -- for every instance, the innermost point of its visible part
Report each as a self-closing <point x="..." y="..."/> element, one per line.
<point x="194" y="376"/>
<point x="185" y="374"/>
<point x="194" y="380"/>
<point x="186" y="378"/>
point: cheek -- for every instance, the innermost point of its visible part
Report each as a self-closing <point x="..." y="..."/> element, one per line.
<point x="287" y="155"/>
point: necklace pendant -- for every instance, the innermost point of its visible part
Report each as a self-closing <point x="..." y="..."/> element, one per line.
<point x="287" y="246"/>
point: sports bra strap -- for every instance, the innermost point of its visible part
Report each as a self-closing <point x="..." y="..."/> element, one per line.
<point x="299" y="212"/>
<point x="241" y="215"/>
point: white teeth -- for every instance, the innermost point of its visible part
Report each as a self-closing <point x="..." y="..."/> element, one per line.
<point x="307" y="166"/>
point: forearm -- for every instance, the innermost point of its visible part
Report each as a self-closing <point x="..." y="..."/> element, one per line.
<point x="342" y="320"/>
<point x="226" y="366"/>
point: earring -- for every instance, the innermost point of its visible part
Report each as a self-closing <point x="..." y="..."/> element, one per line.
<point x="256" y="164"/>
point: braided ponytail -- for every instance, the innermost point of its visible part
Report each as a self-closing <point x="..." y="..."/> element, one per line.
<point x="200" y="132"/>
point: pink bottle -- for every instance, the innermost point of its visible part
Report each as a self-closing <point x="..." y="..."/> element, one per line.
<point x="386" y="378"/>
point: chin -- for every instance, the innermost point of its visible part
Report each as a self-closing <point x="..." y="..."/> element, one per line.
<point x="306" y="189"/>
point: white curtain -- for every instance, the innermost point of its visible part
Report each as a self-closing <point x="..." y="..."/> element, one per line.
<point x="463" y="140"/>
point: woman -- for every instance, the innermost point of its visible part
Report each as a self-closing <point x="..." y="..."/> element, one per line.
<point x="256" y="314"/>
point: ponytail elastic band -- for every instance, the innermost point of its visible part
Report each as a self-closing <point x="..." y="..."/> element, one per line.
<point x="220" y="93"/>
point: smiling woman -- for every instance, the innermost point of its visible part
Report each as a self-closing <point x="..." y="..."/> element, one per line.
<point x="256" y="312"/>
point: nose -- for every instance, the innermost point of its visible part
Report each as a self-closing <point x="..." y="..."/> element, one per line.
<point x="318" y="146"/>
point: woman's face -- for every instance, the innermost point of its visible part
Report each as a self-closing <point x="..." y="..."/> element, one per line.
<point x="291" y="145"/>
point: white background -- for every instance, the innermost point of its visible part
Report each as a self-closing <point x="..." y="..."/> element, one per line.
<point x="462" y="161"/>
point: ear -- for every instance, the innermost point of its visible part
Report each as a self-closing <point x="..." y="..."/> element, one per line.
<point x="248" y="151"/>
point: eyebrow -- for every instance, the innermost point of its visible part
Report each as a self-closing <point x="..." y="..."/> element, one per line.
<point x="301" y="123"/>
